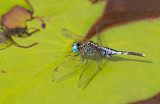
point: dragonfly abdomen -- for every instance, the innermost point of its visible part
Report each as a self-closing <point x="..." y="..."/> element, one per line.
<point x="134" y="53"/>
<point x="107" y="52"/>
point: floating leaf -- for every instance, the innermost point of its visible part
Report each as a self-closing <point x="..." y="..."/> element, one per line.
<point x="124" y="79"/>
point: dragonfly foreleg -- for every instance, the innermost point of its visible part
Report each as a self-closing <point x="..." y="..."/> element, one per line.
<point x="82" y="60"/>
<point x="72" y="55"/>
<point x="70" y="51"/>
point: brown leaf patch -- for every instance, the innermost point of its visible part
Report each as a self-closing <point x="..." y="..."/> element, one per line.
<point x="16" y="18"/>
<point x="120" y="12"/>
<point x="153" y="100"/>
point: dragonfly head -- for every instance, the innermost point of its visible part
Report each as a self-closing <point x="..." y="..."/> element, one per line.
<point x="75" y="47"/>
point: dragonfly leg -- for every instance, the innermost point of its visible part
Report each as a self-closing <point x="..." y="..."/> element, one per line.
<point x="86" y="62"/>
<point x="72" y="55"/>
<point x="77" y="54"/>
<point x="70" y="51"/>
<point x="108" y="55"/>
<point x="96" y="58"/>
<point x="67" y="55"/>
<point x="98" y="65"/>
<point x="82" y="61"/>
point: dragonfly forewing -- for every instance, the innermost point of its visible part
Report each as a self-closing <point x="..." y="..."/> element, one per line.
<point x="66" y="68"/>
<point x="73" y="36"/>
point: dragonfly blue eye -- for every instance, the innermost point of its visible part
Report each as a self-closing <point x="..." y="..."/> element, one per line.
<point x="75" y="48"/>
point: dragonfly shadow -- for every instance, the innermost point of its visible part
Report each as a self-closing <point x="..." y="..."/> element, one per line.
<point x="118" y="58"/>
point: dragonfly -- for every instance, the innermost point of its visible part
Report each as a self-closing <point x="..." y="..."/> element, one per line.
<point x="89" y="52"/>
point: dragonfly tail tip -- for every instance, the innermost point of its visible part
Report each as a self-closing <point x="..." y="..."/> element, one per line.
<point x="143" y="55"/>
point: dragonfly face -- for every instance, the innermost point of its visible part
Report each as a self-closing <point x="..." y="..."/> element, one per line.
<point x="75" y="48"/>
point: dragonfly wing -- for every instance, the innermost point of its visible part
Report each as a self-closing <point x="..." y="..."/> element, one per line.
<point x="5" y="41"/>
<point x="93" y="66"/>
<point x="66" y="68"/>
<point x="72" y="35"/>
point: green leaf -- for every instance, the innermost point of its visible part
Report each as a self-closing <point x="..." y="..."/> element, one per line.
<point x="124" y="79"/>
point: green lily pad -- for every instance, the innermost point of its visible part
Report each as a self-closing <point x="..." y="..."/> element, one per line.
<point x="123" y="79"/>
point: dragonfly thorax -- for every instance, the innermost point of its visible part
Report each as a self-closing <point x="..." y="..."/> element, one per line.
<point x="89" y="48"/>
